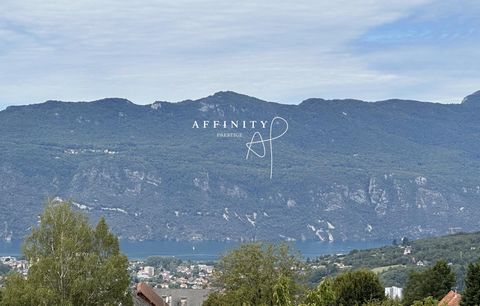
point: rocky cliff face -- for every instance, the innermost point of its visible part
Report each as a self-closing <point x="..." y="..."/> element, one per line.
<point x="345" y="169"/>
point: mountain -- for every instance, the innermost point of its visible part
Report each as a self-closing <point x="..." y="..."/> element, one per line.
<point x="344" y="170"/>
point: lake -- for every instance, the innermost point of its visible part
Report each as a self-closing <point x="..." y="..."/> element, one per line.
<point x="211" y="250"/>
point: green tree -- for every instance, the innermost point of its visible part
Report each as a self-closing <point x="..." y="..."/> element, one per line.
<point x="471" y="295"/>
<point x="70" y="263"/>
<point x="387" y="302"/>
<point x="322" y="295"/>
<point x="435" y="282"/>
<point x="358" y="287"/>
<point x="281" y="292"/>
<point x="20" y="292"/>
<point x="257" y="274"/>
<point x="415" y="288"/>
<point x="428" y="301"/>
<point x="442" y="280"/>
<point x="162" y="262"/>
<point x="215" y="299"/>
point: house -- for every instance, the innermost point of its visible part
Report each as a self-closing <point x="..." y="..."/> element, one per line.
<point x="149" y="270"/>
<point x="451" y="299"/>
<point x="183" y="297"/>
<point x="407" y="251"/>
<point x="146" y="296"/>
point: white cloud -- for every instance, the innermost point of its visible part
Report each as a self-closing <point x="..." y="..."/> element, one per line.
<point x="173" y="50"/>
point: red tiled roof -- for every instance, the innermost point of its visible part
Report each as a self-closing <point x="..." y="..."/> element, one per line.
<point x="451" y="299"/>
<point x="147" y="293"/>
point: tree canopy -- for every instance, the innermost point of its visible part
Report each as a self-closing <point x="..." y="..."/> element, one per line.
<point x="434" y="282"/>
<point x="71" y="263"/>
<point x="358" y="287"/>
<point x="471" y="295"/>
<point x="257" y="274"/>
<point x="322" y="295"/>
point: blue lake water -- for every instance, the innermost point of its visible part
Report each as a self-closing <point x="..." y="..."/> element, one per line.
<point x="211" y="250"/>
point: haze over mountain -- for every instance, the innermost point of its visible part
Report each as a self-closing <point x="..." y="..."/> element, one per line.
<point x="345" y="169"/>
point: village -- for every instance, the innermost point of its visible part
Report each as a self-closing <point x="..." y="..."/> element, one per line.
<point x="188" y="275"/>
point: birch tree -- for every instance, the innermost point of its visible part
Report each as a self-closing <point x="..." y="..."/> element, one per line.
<point x="71" y="263"/>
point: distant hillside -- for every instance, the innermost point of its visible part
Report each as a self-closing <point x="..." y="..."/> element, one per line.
<point x="395" y="262"/>
<point x="345" y="169"/>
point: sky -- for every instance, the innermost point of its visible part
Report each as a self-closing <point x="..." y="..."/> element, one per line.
<point x="283" y="51"/>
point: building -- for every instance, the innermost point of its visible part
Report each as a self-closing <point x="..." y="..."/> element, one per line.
<point x="146" y="296"/>
<point x="149" y="270"/>
<point x="451" y="299"/>
<point x="183" y="297"/>
<point x="394" y="292"/>
<point x="146" y="272"/>
<point x="7" y="260"/>
<point x="206" y="268"/>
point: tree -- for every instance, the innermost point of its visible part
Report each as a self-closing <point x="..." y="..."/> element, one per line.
<point x="281" y="293"/>
<point x="441" y="280"/>
<point x="163" y="262"/>
<point x="358" y="287"/>
<point x="428" y="301"/>
<point x="435" y="282"/>
<point x="215" y="299"/>
<point x="322" y="295"/>
<point x="471" y="295"/>
<point x="20" y="292"/>
<point x="414" y="288"/>
<point x="387" y="302"/>
<point x="257" y="274"/>
<point x="70" y="263"/>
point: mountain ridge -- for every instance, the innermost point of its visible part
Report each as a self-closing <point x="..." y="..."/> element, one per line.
<point x="220" y="96"/>
<point x="355" y="167"/>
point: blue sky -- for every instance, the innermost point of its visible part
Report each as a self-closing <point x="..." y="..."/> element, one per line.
<point x="283" y="51"/>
